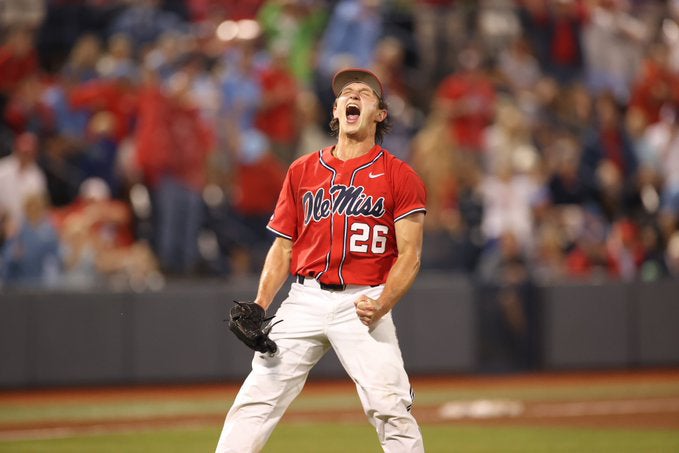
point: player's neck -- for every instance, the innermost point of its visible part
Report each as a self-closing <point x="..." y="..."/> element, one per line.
<point x="346" y="148"/>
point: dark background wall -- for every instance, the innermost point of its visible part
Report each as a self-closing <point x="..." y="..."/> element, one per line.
<point x="446" y="324"/>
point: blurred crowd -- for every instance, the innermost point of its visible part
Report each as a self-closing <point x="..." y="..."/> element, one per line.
<point x="143" y="140"/>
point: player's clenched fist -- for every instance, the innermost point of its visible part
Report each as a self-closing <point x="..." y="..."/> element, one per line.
<point x="369" y="310"/>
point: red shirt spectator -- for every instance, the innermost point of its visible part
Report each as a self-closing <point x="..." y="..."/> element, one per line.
<point x="109" y="221"/>
<point x="172" y="138"/>
<point x="191" y="142"/>
<point x="656" y="86"/>
<point x="278" y="112"/>
<point x="625" y="250"/>
<point x="117" y="96"/>
<point x="259" y="176"/>
<point x="467" y="98"/>
<point x="18" y="60"/>
<point x="26" y="108"/>
<point x="259" y="184"/>
<point x="153" y="146"/>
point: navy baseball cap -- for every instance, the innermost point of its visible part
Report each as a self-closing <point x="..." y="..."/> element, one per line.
<point x="351" y="75"/>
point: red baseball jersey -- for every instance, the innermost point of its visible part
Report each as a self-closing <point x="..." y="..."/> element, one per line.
<point x="340" y="215"/>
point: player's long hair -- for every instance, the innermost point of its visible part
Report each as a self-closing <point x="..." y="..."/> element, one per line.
<point x="382" y="129"/>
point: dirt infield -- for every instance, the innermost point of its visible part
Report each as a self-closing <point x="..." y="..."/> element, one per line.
<point x="628" y="412"/>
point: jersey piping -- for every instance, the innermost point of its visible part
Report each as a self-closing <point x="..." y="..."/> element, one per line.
<point x="332" y="217"/>
<point x="409" y="213"/>
<point x="346" y="218"/>
<point x="278" y="233"/>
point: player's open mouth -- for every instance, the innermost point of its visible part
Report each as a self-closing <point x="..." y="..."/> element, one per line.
<point x="353" y="112"/>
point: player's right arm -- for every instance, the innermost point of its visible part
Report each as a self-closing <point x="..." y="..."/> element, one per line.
<point x="275" y="271"/>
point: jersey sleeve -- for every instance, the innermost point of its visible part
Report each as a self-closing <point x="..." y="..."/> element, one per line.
<point x="410" y="195"/>
<point x="283" y="221"/>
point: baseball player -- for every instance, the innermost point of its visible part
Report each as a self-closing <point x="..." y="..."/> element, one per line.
<point x="349" y="223"/>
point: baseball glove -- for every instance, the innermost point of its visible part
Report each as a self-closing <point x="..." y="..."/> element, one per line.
<point x="247" y="322"/>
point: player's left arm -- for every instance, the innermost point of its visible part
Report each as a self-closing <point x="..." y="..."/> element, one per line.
<point x="409" y="232"/>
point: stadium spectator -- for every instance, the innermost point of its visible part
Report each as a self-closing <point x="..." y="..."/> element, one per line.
<point x="554" y="30"/>
<point x="574" y="111"/>
<point x="670" y="26"/>
<point x="26" y="108"/>
<point x="276" y="116"/>
<point x="613" y="43"/>
<point x="241" y="87"/>
<point x="565" y="185"/>
<point x="79" y="68"/>
<point x="354" y="29"/>
<point x="99" y="244"/>
<point x="116" y="93"/>
<point x="99" y="157"/>
<point x="143" y="22"/>
<point x="23" y="13"/>
<point x="518" y="68"/>
<point x="656" y="85"/>
<point x="580" y="142"/>
<point x="467" y="98"/>
<point x="625" y="250"/>
<point x="20" y="177"/>
<point x="436" y="159"/>
<point x="653" y="266"/>
<point x="83" y="59"/>
<point x="439" y="28"/>
<point x="672" y="254"/>
<point x="586" y="256"/>
<point x="547" y="259"/>
<point x="117" y="57"/>
<point x="658" y="154"/>
<point x="609" y="162"/>
<point x="434" y="156"/>
<point x="314" y="133"/>
<point x="258" y="178"/>
<point x="296" y="26"/>
<point x="173" y="144"/>
<point x="509" y="198"/>
<point x="18" y="60"/>
<point x="32" y="257"/>
<point x="508" y="139"/>
<point x="389" y="64"/>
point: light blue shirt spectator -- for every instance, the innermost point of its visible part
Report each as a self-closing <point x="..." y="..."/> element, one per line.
<point x="145" y="22"/>
<point x="354" y="29"/>
<point x="241" y="90"/>
<point x="32" y="257"/>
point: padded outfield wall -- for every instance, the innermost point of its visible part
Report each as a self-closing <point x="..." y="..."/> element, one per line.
<point x="446" y="324"/>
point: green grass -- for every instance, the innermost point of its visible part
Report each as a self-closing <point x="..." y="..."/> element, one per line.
<point x="475" y="439"/>
<point x="132" y="409"/>
<point x="360" y="438"/>
<point x="166" y="441"/>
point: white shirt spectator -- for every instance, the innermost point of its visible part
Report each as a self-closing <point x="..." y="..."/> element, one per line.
<point x="17" y="181"/>
<point x="508" y="206"/>
<point x="613" y="44"/>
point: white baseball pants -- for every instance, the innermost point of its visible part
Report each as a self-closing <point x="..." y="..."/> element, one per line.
<point x="313" y="321"/>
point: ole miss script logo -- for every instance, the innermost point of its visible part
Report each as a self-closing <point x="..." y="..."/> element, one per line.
<point x="343" y="200"/>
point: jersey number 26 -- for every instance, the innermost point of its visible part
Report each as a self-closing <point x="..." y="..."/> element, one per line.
<point x="361" y="238"/>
